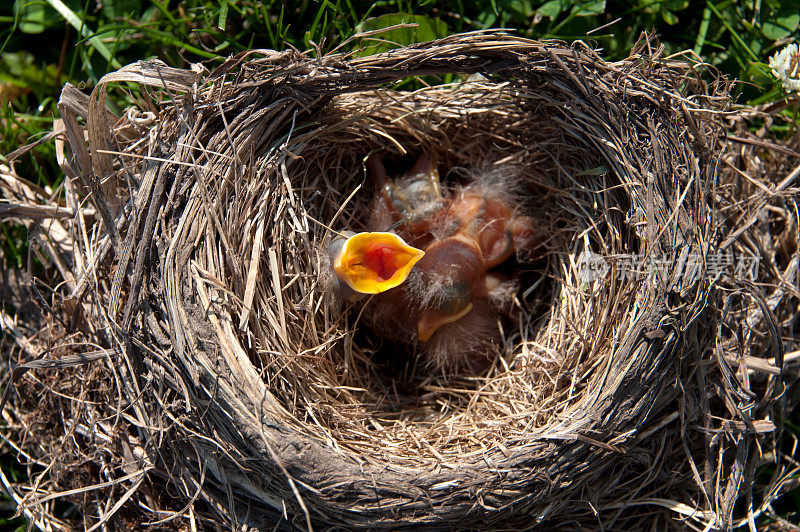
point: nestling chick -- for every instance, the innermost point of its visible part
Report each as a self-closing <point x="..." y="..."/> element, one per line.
<point x="458" y="295"/>
<point x="411" y="205"/>
<point x="448" y="301"/>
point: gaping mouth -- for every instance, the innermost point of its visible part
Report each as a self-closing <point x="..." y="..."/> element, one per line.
<point x="371" y="263"/>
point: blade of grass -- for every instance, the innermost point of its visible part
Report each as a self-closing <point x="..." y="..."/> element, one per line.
<point x="733" y="33"/>
<point x="320" y="12"/>
<point x="701" y="34"/>
<point x="12" y="32"/>
<point x="79" y="25"/>
<point x="268" y="26"/>
<point x="169" y="39"/>
<point x="162" y="7"/>
<point x="223" y="15"/>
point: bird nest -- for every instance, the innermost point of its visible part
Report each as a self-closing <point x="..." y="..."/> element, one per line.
<point x="191" y="235"/>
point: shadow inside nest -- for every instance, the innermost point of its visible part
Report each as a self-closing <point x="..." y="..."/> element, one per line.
<point x="398" y="369"/>
<point x="403" y="384"/>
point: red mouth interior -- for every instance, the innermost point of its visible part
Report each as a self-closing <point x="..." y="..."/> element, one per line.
<point x="380" y="258"/>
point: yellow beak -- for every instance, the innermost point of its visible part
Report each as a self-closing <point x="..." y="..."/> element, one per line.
<point x="432" y="319"/>
<point x="371" y="263"/>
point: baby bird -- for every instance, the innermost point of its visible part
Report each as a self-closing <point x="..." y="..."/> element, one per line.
<point x="412" y="205"/>
<point x="443" y="297"/>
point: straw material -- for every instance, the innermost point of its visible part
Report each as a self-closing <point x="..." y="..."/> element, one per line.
<point x="204" y="373"/>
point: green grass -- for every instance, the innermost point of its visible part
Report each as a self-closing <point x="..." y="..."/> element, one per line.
<point x="45" y="43"/>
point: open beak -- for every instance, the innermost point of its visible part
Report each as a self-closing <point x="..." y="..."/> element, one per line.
<point x="371" y="263"/>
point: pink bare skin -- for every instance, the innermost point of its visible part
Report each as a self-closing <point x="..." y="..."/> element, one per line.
<point x="450" y="302"/>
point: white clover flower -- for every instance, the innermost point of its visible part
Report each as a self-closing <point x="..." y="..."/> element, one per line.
<point x="785" y="66"/>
